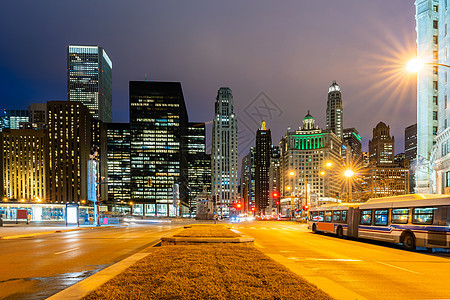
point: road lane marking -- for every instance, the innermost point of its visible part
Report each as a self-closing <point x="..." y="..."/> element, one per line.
<point x="397" y="267"/>
<point x="324" y="259"/>
<point x="285" y="251"/>
<point x="65" y="251"/>
<point x="252" y="227"/>
<point x="311" y="243"/>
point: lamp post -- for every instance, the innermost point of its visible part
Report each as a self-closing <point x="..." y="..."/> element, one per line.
<point x="349" y="174"/>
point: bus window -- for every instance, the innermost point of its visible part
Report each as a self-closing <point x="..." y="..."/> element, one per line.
<point x="381" y="217"/>
<point x="337" y="216"/>
<point x="400" y="215"/>
<point x="423" y="215"/>
<point x="320" y="217"/>
<point x="312" y="215"/>
<point x="344" y="216"/>
<point x="366" y="217"/>
<point x="328" y="216"/>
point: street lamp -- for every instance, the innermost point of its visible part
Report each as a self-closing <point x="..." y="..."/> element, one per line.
<point x="415" y="65"/>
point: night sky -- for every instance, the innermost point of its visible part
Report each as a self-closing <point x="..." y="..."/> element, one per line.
<point x="278" y="57"/>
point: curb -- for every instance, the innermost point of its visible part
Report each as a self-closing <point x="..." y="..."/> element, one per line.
<point x="11" y="237"/>
<point x="186" y="240"/>
<point x="84" y="287"/>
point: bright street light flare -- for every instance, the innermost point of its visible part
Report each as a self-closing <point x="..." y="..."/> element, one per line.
<point x="349" y="173"/>
<point x="414" y="65"/>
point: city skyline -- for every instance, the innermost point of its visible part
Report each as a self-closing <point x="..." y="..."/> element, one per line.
<point x="301" y="85"/>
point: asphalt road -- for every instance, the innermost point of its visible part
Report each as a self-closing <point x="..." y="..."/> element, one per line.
<point x="353" y="269"/>
<point x="38" y="267"/>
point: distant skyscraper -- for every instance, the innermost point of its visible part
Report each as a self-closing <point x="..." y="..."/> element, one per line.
<point x="12" y="118"/>
<point x="262" y="165"/>
<point x="199" y="163"/>
<point x="159" y="122"/>
<point x="119" y="163"/>
<point x="274" y="175"/>
<point x="334" y="110"/>
<point x="353" y="140"/>
<point x="37" y="113"/>
<point x="432" y="44"/>
<point x="89" y="79"/>
<point x="381" y="147"/>
<point x="224" y="154"/>
<point x="248" y="179"/>
<point x="411" y="154"/>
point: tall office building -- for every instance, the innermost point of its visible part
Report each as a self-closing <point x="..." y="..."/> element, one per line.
<point x="119" y="164"/>
<point x="304" y="155"/>
<point x="70" y="144"/>
<point x="248" y="170"/>
<point x="274" y="175"/>
<point x="158" y="123"/>
<point x="262" y="165"/>
<point x="381" y="147"/>
<point x="24" y="165"/>
<point x="11" y="119"/>
<point x="89" y="79"/>
<point x="431" y="40"/>
<point x="411" y="142"/>
<point x="224" y="156"/>
<point x="199" y="163"/>
<point x="37" y="113"/>
<point x="334" y="110"/>
<point x="352" y="139"/>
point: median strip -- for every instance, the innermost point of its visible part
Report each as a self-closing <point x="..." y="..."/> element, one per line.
<point x="203" y="271"/>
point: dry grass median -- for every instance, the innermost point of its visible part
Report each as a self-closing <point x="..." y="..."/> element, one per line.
<point x="207" y="271"/>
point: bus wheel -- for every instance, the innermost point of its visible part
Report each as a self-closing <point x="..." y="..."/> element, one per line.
<point x="339" y="232"/>
<point x="409" y="242"/>
<point x="314" y="228"/>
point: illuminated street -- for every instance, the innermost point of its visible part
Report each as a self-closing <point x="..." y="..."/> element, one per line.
<point x="368" y="269"/>
<point x="38" y="267"/>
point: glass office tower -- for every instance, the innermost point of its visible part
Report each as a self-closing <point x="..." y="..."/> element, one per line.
<point x="89" y="79"/>
<point x="158" y="124"/>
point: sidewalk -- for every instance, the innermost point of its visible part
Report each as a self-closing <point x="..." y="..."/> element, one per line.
<point x="13" y="231"/>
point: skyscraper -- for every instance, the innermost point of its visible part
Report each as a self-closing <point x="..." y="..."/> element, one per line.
<point x="70" y="143"/>
<point x="381" y="147"/>
<point x="411" y="154"/>
<point x="158" y="123"/>
<point x="89" y="79"/>
<point x="199" y="163"/>
<point x="334" y="110"/>
<point x="37" y="113"/>
<point x="224" y="154"/>
<point x="262" y="165"/>
<point x="119" y="163"/>
<point x="352" y="139"/>
<point x="248" y="179"/>
<point x="431" y="40"/>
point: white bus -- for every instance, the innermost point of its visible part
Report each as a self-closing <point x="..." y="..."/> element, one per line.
<point x="413" y="220"/>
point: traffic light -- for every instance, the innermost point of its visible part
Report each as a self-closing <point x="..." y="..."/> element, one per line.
<point x="238" y="205"/>
<point x="149" y="182"/>
<point x="278" y="202"/>
<point x="275" y="194"/>
<point x="253" y="208"/>
<point x="305" y="207"/>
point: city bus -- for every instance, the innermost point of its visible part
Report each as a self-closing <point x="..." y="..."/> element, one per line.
<point x="412" y="220"/>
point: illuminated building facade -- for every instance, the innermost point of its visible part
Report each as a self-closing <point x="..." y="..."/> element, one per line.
<point x="274" y="175"/>
<point x="386" y="180"/>
<point x="89" y="79"/>
<point x="432" y="44"/>
<point x="119" y="163"/>
<point x="199" y="163"/>
<point x="262" y="165"/>
<point x="73" y="135"/>
<point x="24" y="165"/>
<point x="411" y="154"/>
<point x="334" y="110"/>
<point x="12" y="118"/>
<point x="304" y="154"/>
<point x="158" y="124"/>
<point x="352" y="140"/>
<point x="381" y="147"/>
<point x="224" y="156"/>
<point x="248" y="170"/>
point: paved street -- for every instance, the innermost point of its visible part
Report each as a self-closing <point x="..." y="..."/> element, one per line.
<point x="353" y="268"/>
<point x="38" y="267"/>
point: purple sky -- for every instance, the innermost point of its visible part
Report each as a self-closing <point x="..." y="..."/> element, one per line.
<point x="289" y="50"/>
